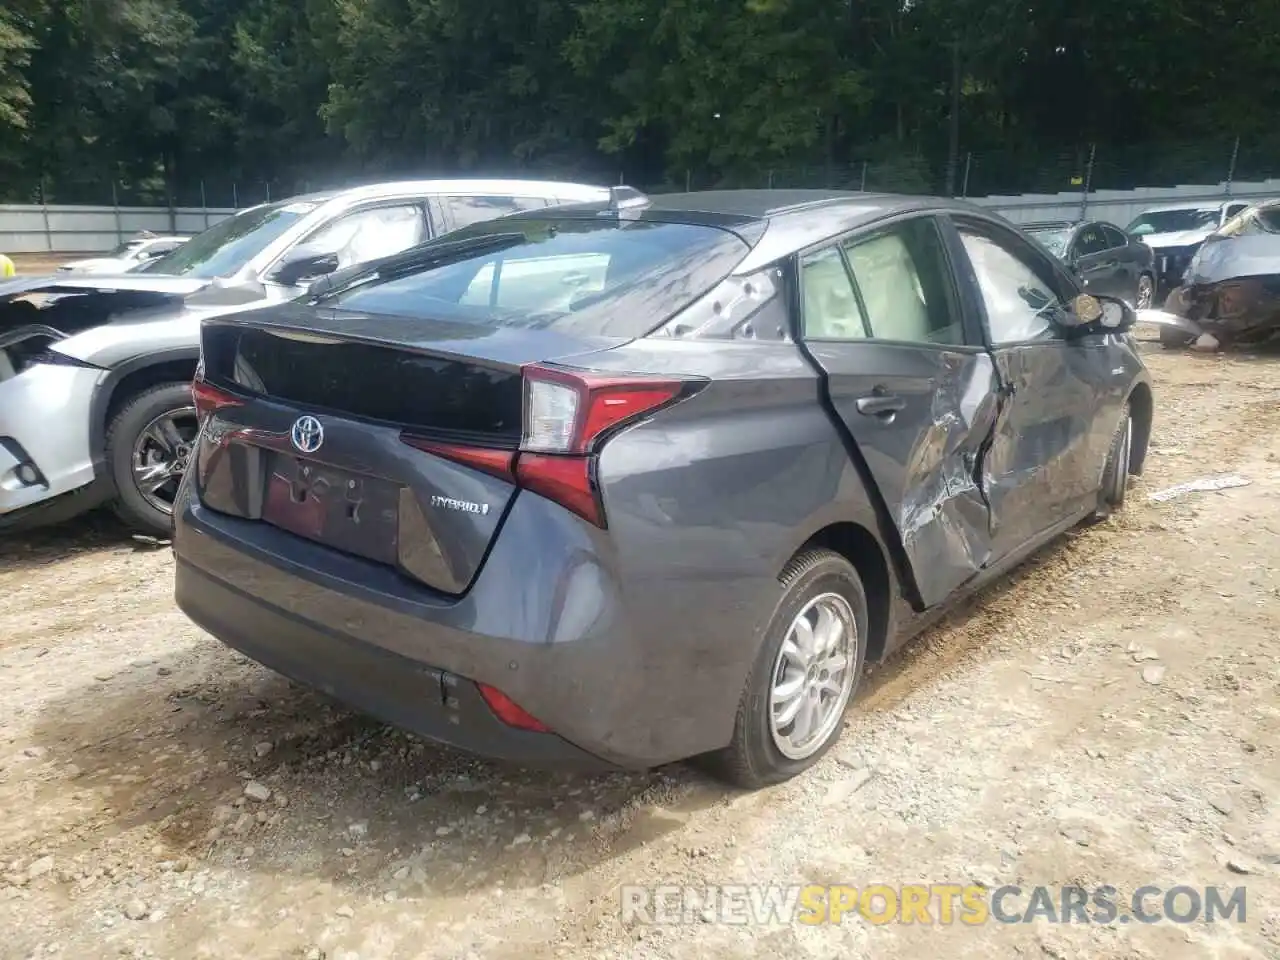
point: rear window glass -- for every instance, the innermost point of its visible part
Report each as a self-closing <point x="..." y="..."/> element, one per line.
<point x="600" y="277"/>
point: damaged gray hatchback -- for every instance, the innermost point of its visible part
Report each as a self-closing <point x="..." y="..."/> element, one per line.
<point x="630" y="482"/>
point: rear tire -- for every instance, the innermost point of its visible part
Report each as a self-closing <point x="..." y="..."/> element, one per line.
<point x="822" y="589"/>
<point x="1115" y="474"/>
<point x="135" y="448"/>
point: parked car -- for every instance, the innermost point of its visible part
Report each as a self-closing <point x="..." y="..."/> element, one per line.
<point x="95" y="372"/>
<point x="1104" y="257"/>
<point x="129" y="255"/>
<point x="1231" y="290"/>
<point x="1175" y="232"/>
<point x="632" y="482"/>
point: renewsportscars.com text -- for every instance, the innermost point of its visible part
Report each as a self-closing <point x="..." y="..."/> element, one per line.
<point x="939" y="903"/>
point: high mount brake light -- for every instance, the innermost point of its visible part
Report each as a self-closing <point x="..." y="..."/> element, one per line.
<point x="567" y="417"/>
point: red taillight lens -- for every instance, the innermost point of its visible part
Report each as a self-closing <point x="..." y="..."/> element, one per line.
<point x="567" y="412"/>
<point x="209" y="398"/>
<point x="565" y="480"/>
<point x="567" y="416"/>
<point x="509" y="712"/>
<point x="498" y="463"/>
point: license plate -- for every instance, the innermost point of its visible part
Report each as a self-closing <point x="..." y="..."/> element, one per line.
<point x="347" y="511"/>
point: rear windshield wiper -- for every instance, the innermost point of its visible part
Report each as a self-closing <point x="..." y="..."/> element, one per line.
<point x="410" y="261"/>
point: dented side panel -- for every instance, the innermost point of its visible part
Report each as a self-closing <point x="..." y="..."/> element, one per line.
<point x="1052" y="434"/>
<point x="925" y="456"/>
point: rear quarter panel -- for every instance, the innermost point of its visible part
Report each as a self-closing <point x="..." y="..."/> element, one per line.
<point x="706" y="503"/>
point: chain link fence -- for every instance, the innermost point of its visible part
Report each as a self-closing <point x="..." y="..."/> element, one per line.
<point x="1003" y="174"/>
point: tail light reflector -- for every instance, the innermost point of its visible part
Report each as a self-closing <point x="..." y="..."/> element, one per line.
<point x="509" y="712"/>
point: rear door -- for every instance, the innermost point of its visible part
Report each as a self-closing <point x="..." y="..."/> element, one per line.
<point x="461" y="210"/>
<point x="909" y="380"/>
<point x="1097" y="261"/>
<point x="1045" y="460"/>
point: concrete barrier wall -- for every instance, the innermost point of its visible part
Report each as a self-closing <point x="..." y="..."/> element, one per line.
<point x="78" y="229"/>
<point x="83" y="229"/>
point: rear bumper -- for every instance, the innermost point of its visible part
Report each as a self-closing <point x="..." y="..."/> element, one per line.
<point x="399" y="690"/>
<point x="547" y="633"/>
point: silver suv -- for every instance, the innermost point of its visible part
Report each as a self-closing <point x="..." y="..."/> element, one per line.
<point x="95" y="371"/>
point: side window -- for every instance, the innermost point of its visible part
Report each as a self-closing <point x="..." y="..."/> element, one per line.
<point x="1090" y="240"/>
<point x="1233" y="209"/>
<point x="464" y="211"/>
<point x="1020" y="303"/>
<point x="831" y="310"/>
<point x="1115" y="236"/>
<point x="369" y="234"/>
<point x="905" y="282"/>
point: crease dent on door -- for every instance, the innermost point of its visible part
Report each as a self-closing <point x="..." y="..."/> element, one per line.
<point x="945" y="519"/>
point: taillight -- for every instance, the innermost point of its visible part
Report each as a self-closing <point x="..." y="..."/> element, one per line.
<point x="510" y="712"/>
<point x="567" y="413"/>
<point x="209" y="399"/>
<point x="568" y="416"/>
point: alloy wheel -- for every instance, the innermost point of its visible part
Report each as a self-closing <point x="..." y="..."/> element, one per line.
<point x="813" y="676"/>
<point x="1146" y="293"/>
<point x="160" y="456"/>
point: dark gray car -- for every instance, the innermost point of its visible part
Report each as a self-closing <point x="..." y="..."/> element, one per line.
<point x="627" y="483"/>
<point x="1105" y="258"/>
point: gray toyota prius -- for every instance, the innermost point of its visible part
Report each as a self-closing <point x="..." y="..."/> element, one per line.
<point x="624" y="483"/>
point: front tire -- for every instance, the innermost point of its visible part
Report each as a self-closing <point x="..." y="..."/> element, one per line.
<point x="148" y="445"/>
<point x="1115" y="474"/>
<point x="804" y="676"/>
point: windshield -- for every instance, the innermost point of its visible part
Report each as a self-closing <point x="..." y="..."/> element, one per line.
<point x="1173" y="221"/>
<point x="597" y="277"/>
<point x="1055" y="238"/>
<point x="226" y="247"/>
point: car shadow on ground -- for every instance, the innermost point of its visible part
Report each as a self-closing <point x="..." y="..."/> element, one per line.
<point x="167" y="747"/>
<point x="28" y="549"/>
<point x="164" y="750"/>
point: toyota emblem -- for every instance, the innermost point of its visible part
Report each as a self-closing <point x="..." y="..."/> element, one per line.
<point x="307" y="434"/>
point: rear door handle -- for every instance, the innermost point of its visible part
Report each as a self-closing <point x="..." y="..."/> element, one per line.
<point x="883" y="405"/>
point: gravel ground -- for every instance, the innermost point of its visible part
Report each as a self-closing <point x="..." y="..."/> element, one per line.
<point x="1107" y="714"/>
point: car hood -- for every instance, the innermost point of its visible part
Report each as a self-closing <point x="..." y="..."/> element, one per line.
<point x="1180" y="238"/>
<point x="105" y="320"/>
<point x="1230" y="258"/>
<point x="105" y="284"/>
<point x="95" y="263"/>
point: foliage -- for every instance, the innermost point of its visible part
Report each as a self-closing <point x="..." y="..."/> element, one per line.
<point x="156" y="99"/>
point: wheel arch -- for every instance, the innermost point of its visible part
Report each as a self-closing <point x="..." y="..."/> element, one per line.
<point x="863" y="550"/>
<point x="1142" y="410"/>
<point x="129" y="379"/>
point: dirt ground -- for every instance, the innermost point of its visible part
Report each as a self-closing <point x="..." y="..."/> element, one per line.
<point x="1110" y="714"/>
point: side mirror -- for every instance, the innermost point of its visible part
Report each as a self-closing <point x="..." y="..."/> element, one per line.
<point x="1089" y="313"/>
<point x="303" y="263"/>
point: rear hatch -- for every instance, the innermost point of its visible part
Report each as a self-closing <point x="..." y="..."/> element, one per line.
<point x="338" y="428"/>
<point x="384" y="417"/>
